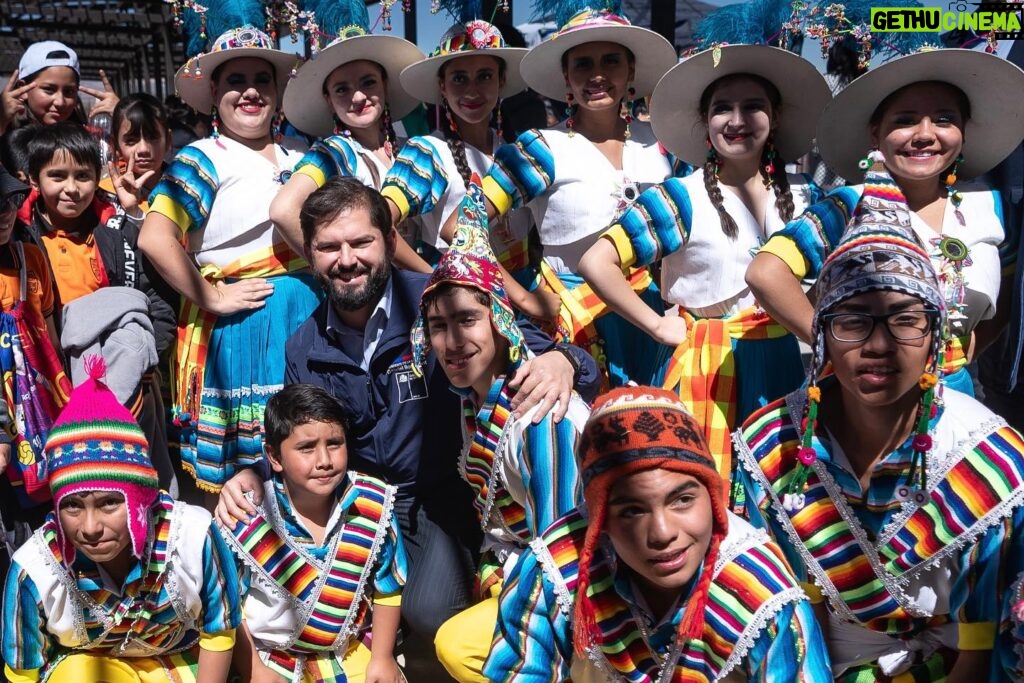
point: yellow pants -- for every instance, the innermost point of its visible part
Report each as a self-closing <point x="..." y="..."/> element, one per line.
<point x="82" y="667"/>
<point x="463" y="642"/>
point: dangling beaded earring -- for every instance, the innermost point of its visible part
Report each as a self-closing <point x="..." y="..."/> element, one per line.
<point x="214" y="122"/>
<point x="954" y="195"/>
<point x="385" y="121"/>
<point x="630" y="96"/>
<point x="712" y="156"/>
<point x="769" y="163"/>
<point x="570" y="111"/>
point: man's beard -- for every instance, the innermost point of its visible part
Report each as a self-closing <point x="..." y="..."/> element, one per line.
<point x="346" y="298"/>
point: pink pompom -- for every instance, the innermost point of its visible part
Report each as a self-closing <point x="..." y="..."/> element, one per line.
<point x="807" y="456"/>
<point x="922" y="443"/>
<point x="95" y="366"/>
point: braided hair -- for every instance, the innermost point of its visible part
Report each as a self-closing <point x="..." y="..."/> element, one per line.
<point x="451" y="131"/>
<point x="777" y="179"/>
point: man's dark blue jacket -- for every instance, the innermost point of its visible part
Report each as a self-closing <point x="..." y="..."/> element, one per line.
<point x="403" y="428"/>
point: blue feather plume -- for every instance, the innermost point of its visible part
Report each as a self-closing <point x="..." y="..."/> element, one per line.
<point x="561" y="11"/>
<point x="334" y="15"/>
<point x="747" y="23"/>
<point x="220" y="16"/>
<point x="461" y="10"/>
<point x="887" y="45"/>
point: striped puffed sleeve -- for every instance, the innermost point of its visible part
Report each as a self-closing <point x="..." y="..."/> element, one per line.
<point x="27" y="646"/>
<point x="533" y="638"/>
<point x="791" y="647"/>
<point x="521" y="171"/>
<point x="326" y="159"/>
<point x="656" y="225"/>
<point x="392" y="568"/>
<point x="547" y="464"/>
<point x="186" y="190"/>
<point x="807" y="240"/>
<point x="221" y="592"/>
<point x="418" y="179"/>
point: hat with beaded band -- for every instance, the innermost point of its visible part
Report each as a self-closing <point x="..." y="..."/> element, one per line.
<point x="466" y="39"/>
<point x="96" y="445"/>
<point x="305" y="103"/>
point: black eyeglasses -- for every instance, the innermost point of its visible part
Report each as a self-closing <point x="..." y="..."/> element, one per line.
<point x="854" y="328"/>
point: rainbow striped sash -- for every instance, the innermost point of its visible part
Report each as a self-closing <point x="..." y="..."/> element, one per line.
<point x="331" y="592"/>
<point x="752" y="583"/>
<point x="484" y="435"/>
<point x="128" y="620"/>
<point x="971" y="489"/>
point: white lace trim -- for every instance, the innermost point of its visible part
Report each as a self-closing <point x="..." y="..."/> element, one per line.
<point x="764" y="614"/>
<point x="547" y="562"/>
<point x="487" y="515"/>
<point x="350" y="628"/>
<point x="304" y="608"/>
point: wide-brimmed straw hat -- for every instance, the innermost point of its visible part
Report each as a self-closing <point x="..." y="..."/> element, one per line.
<point x="653" y="55"/>
<point x="675" y="115"/>
<point x="993" y="87"/>
<point x="193" y="80"/>
<point x="467" y="39"/>
<point x="304" y="104"/>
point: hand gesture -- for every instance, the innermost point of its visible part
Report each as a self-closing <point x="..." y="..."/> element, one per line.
<point x="671" y="330"/>
<point x="243" y="295"/>
<point x="106" y="99"/>
<point x="232" y="505"/>
<point x="129" y="188"/>
<point x="383" y="670"/>
<point x="12" y="100"/>
<point x="545" y="380"/>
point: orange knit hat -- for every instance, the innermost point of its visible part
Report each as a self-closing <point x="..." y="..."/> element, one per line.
<point x="630" y="430"/>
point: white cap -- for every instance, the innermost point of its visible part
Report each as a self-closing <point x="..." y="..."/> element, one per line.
<point x="45" y="54"/>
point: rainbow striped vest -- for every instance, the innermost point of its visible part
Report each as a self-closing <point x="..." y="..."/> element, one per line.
<point x="328" y="596"/>
<point x="976" y="479"/>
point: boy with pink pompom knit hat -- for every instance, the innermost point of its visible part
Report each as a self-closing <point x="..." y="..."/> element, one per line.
<point x="120" y="583"/>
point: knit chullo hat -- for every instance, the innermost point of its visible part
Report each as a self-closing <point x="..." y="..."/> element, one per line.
<point x="630" y="430"/>
<point x="879" y="252"/>
<point x="471" y="262"/>
<point x="96" y="445"/>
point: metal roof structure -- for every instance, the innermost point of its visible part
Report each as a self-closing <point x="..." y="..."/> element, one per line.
<point x="133" y="41"/>
<point x="138" y="46"/>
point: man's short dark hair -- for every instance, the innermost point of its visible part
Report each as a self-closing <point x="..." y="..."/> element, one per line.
<point x="337" y="196"/>
<point x="68" y="137"/>
<point x="299" y="404"/>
